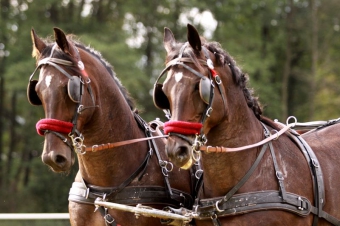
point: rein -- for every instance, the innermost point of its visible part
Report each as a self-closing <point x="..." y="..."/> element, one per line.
<point x="210" y="149"/>
<point x="101" y="147"/>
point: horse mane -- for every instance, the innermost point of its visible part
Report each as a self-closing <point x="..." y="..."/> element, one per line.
<point x="96" y="54"/>
<point x="240" y="78"/>
<point x="223" y="59"/>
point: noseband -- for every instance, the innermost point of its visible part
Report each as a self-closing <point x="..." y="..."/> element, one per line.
<point x="206" y="90"/>
<point x="75" y="92"/>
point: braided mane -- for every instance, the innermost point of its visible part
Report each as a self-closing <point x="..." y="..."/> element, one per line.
<point x="61" y="55"/>
<point x="239" y="77"/>
<point x="222" y="58"/>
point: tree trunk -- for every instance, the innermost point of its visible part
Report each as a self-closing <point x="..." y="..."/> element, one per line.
<point x="288" y="60"/>
<point x="12" y="137"/>
<point x="4" y="7"/>
<point x="314" y="50"/>
<point x="1" y="126"/>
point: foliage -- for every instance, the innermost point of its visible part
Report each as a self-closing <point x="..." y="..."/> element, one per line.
<point x="271" y="40"/>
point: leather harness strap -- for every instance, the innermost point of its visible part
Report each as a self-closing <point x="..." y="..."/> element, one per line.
<point x="234" y="204"/>
<point x="254" y="201"/>
<point x="84" y="193"/>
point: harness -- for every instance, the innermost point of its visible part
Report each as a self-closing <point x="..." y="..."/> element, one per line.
<point x="82" y="192"/>
<point x="85" y="193"/>
<point x="235" y="204"/>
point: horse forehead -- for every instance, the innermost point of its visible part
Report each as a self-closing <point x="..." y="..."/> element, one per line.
<point x="48" y="79"/>
<point x="178" y="77"/>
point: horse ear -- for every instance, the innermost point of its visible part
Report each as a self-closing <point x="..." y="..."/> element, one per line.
<point x="62" y="42"/>
<point x="169" y="40"/>
<point x="38" y="44"/>
<point x="194" y="38"/>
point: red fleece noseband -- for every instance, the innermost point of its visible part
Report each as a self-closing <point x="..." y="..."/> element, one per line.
<point x="54" y="125"/>
<point x="186" y="128"/>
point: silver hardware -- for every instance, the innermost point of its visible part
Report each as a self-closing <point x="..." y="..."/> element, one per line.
<point x="166" y="167"/>
<point x="209" y="112"/>
<point x="216" y="206"/>
<point x="94" y="147"/>
<point x="276" y="132"/>
<point x="291" y="117"/>
<point x="198" y="174"/>
<point x="78" y="145"/>
<point x="80" y="109"/>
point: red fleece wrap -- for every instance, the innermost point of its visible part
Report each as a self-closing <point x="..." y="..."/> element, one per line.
<point x="54" y="125"/>
<point x="186" y="128"/>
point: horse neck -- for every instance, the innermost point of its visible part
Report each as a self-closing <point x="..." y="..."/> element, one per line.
<point x="239" y="128"/>
<point x="111" y="122"/>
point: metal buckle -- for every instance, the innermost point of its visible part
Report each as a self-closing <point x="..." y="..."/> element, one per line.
<point x="218" y="79"/>
<point x="216" y="206"/>
<point x="209" y="111"/>
<point x="279" y="175"/>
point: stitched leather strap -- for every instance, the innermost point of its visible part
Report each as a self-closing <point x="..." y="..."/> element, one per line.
<point x="101" y="147"/>
<point x="226" y="149"/>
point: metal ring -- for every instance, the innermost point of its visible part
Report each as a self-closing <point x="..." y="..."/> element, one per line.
<point x="216" y="206"/>
<point x="80" y="109"/>
<point x="291" y="117"/>
<point x="277" y="133"/>
<point x="94" y="146"/>
<point x="82" y="150"/>
<point x="171" y="166"/>
<point x="194" y="153"/>
<point x="209" y="111"/>
<point x="214" y="216"/>
<point x="208" y="149"/>
<point x="88" y="80"/>
<point x="218" y="80"/>
<point x="198" y="174"/>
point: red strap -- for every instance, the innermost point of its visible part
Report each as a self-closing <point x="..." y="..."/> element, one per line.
<point x="54" y="125"/>
<point x="213" y="73"/>
<point x="186" y="128"/>
<point x="84" y="73"/>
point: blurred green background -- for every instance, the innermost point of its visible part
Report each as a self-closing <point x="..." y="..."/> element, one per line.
<point x="289" y="48"/>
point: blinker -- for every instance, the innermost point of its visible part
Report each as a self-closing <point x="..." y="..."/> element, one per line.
<point x="32" y="95"/>
<point x="161" y="100"/>
<point x="73" y="91"/>
<point x="205" y="89"/>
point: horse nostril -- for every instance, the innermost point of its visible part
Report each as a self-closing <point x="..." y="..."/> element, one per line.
<point x="60" y="160"/>
<point x="182" y="153"/>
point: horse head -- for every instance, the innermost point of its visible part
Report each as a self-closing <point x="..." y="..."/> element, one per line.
<point x="62" y="91"/>
<point x="201" y="83"/>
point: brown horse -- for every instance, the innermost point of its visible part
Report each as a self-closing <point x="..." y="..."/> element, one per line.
<point x="267" y="175"/>
<point x="87" y="111"/>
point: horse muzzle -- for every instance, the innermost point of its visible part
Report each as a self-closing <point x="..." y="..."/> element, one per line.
<point x="179" y="153"/>
<point x="58" y="162"/>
